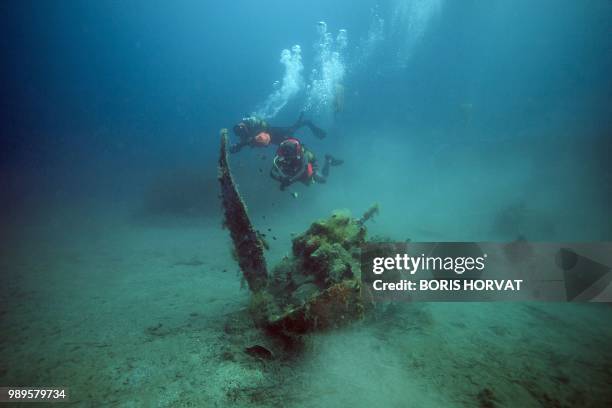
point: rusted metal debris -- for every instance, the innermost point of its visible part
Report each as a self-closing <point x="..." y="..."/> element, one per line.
<point x="248" y="246"/>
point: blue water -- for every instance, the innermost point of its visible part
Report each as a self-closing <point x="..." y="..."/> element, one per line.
<point x="464" y="120"/>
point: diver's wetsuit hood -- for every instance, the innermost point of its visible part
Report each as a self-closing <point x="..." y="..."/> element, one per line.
<point x="290" y="148"/>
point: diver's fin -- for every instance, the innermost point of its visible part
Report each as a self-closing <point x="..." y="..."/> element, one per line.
<point x="317" y="131"/>
<point x="333" y="160"/>
<point x="247" y="243"/>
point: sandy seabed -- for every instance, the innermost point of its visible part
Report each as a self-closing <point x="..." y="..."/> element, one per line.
<point x="153" y="315"/>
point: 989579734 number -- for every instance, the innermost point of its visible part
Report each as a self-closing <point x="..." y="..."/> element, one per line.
<point x="16" y="394"/>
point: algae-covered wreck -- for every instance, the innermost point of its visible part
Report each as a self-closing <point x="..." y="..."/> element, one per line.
<point x="318" y="287"/>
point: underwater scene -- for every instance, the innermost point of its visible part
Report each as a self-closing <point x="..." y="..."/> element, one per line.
<point x="189" y="190"/>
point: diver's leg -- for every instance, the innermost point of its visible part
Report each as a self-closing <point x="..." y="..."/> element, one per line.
<point x="320" y="178"/>
<point x="317" y="131"/>
<point x="298" y="122"/>
<point x="279" y="134"/>
<point x="331" y="160"/>
<point x="325" y="170"/>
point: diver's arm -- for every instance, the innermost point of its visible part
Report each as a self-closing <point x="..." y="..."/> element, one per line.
<point x="236" y="147"/>
<point x="276" y="174"/>
<point x="284" y="184"/>
<point x="299" y="174"/>
<point x="284" y="181"/>
<point x="296" y="177"/>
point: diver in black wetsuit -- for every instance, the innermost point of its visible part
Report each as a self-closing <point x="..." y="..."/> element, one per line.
<point x="293" y="162"/>
<point x="256" y="132"/>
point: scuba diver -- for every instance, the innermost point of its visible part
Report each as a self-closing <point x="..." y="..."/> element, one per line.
<point x="256" y="132"/>
<point x="293" y="162"/>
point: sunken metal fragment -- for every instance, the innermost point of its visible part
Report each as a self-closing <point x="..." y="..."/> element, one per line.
<point x="247" y="244"/>
<point x="370" y="213"/>
<point x="331" y="308"/>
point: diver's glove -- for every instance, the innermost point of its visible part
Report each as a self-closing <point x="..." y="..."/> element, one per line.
<point x="235" y="148"/>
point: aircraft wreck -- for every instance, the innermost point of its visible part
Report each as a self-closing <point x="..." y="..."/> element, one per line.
<point x="317" y="287"/>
